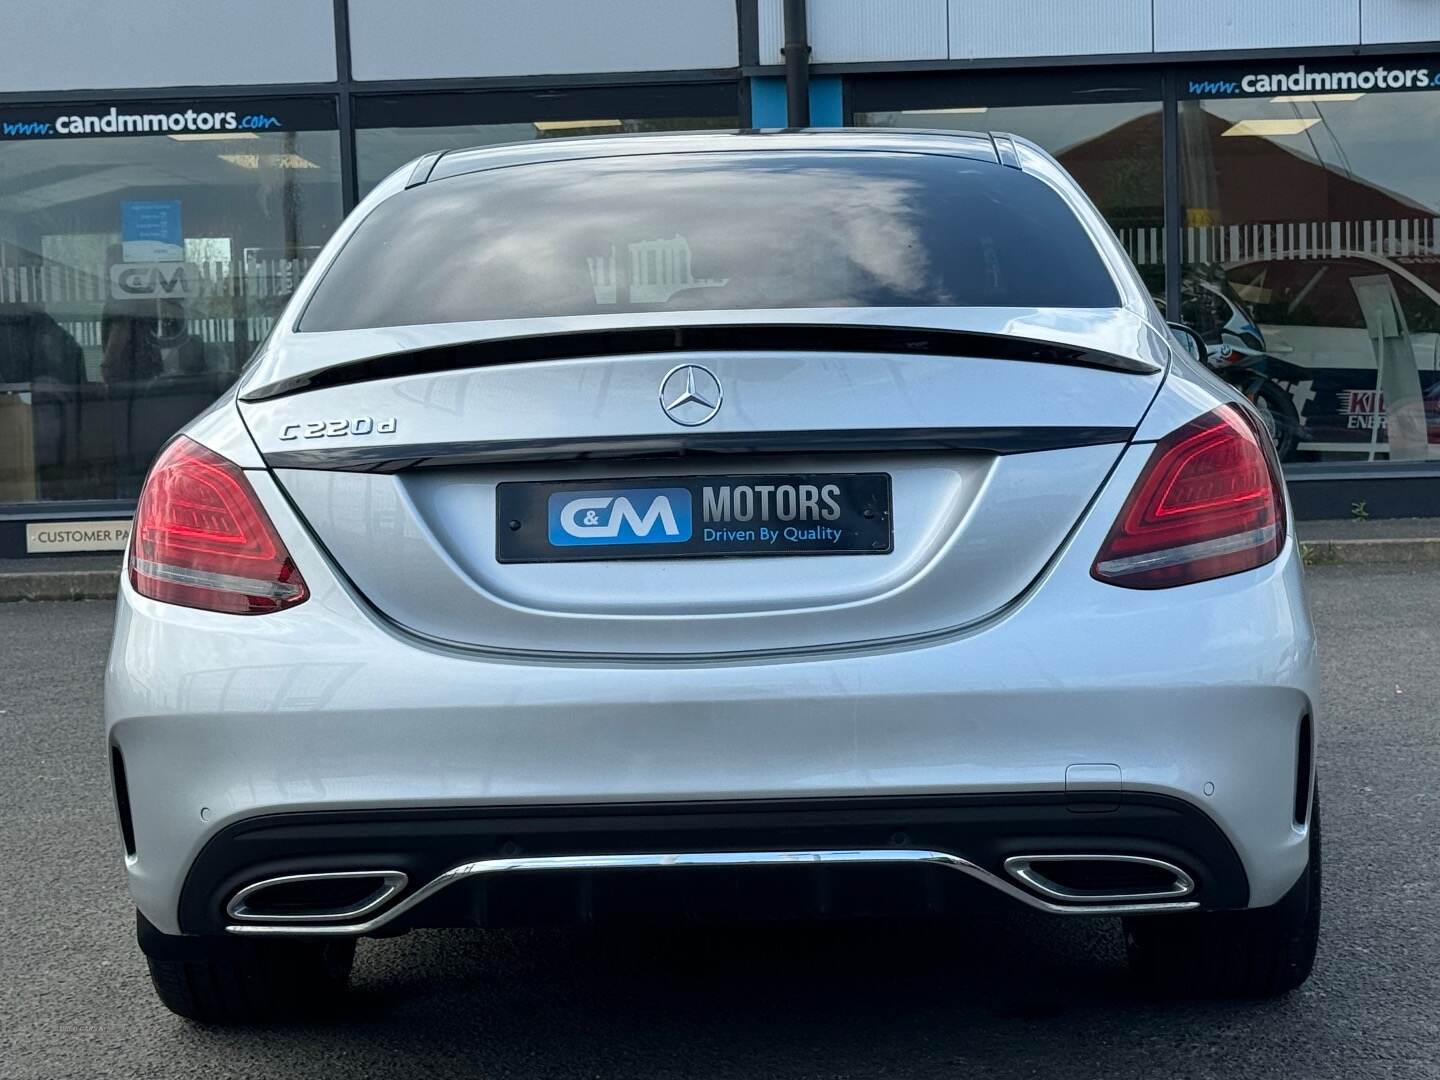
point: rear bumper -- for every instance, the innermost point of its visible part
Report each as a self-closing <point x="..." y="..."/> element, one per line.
<point x="1196" y="694"/>
<point x="862" y="856"/>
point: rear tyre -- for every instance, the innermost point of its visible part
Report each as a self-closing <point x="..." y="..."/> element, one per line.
<point x="248" y="982"/>
<point x="1277" y="410"/>
<point x="1264" y="952"/>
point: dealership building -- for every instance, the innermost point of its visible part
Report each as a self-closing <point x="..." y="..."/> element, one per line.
<point x="169" y="170"/>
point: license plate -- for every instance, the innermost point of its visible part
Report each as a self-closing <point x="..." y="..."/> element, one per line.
<point x="668" y="517"/>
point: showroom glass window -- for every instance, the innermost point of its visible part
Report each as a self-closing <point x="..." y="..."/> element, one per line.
<point x="139" y="269"/>
<point x="1108" y="136"/>
<point x="1311" y="195"/>
<point x="395" y="129"/>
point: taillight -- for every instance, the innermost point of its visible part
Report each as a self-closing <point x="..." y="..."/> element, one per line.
<point x="1208" y="504"/>
<point x="201" y="538"/>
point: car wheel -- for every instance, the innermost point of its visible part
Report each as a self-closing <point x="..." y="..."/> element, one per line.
<point x="246" y="982"/>
<point x="1264" y="952"/>
<point x="1277" y="410"/>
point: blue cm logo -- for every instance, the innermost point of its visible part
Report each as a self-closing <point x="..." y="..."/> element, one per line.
<point x="622" y="516"/>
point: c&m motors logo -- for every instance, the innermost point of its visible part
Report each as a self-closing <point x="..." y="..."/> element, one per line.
<point x="620" y="516"/>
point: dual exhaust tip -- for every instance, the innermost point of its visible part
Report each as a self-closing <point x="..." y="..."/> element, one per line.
<point x="329" y="896"/>
<point x="1071" y="881"/>
<point x="1100" y="879"/>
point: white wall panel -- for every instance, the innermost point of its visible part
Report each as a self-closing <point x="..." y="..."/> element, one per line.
<point x="1384" y="21"/>
<point x="418" y="39"/>
<point x="997" y="28"/>
<point x="88" y="45"/>
<point x="1255" y="24"/>
<point x="849" y="31"/>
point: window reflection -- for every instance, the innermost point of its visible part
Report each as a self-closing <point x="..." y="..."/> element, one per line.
<point x="1112" y="150"/>
<point x="382" y="150"/>
<point x="730" y="231"/>
<point x="1314" y="215"/>
<point x="112" y="335"/>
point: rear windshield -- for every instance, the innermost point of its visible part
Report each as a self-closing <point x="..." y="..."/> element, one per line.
<point x="687" y="232"/>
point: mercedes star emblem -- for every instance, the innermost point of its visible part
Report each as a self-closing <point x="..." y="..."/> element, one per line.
<point x="690" y="394"/>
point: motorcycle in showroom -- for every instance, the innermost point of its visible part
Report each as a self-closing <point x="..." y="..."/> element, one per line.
<point x="1234" y="349"/>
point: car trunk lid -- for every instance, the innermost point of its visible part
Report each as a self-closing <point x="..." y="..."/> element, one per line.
<point x="988" y="454"/>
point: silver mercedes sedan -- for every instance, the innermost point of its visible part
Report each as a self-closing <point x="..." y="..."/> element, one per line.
<point x="715" y="526"/>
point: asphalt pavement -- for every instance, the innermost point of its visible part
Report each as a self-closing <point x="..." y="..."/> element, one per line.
<point x="1011" y="996"/>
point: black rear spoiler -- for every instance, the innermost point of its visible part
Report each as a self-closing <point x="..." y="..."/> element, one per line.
<point x="782" y="337"/>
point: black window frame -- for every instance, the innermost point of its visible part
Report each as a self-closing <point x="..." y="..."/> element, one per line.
<point x="444" y="106"/>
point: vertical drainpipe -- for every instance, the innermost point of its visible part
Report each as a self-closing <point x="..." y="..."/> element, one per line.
<point x="796" y="52"/>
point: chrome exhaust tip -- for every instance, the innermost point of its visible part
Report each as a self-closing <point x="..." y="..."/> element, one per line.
<point x="328" y="896"/>
<point x="1100" y="879"/>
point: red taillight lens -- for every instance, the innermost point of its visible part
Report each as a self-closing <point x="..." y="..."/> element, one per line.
<point x="201" y="538"/>
<point x="1208" y="504"/>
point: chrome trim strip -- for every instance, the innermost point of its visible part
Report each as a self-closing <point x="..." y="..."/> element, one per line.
<point x="391" y="882"/>
<point x="543" y="863"/>
<point x="1022" y="868"/>
<point x="1203" y="549"/>
<point x="205" y="579"/>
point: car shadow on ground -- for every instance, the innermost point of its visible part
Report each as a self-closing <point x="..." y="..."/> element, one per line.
<point x="989" y="996"/>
